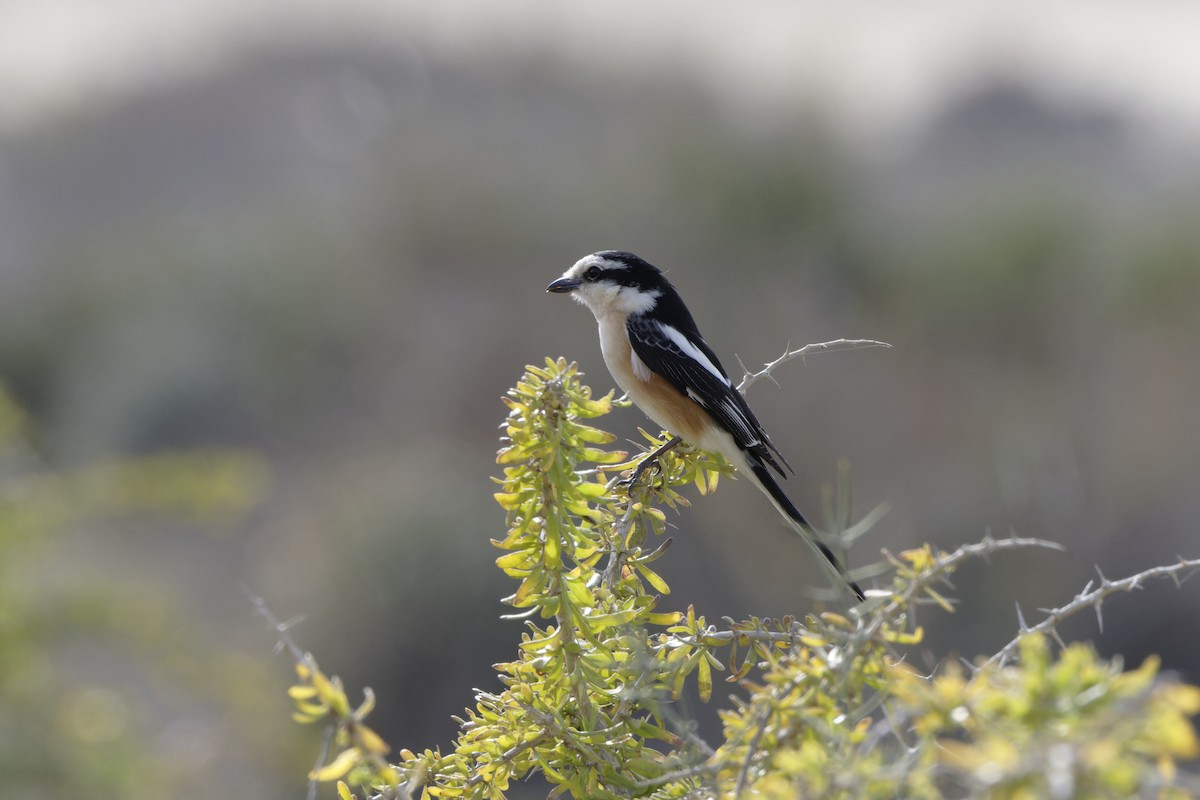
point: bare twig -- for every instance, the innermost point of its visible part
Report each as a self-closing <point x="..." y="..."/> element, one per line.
<point x="1093" y="597"/>
<point x="688" y="773"/>
<point x="286" y="642"/>
<point x="788" y="354"/>
<point x="314" y="785"/>
<point x="616" y="557"/>
<point x="284" y="639"/>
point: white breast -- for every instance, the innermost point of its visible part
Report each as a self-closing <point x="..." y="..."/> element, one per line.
<point x="662" y="404"/>
<point x="618" y="353"/>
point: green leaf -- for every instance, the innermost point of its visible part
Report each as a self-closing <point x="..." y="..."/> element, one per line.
<point x="598" y="456"/>
<point x="594" y="408"/>
<point x="372" y="741"/>
<point x="516" y="564"/>
<point x="652" y="577"/>
<point x="601" y="621"/>
<point x="592" y="491"/>
<point x="592" y="435"/>
<point x="337" y="768"/>
<point x="704" y="679"/>
<point x="507" y="501"/>
<point x="657" y="553"/>
<point x="530" y="587"/>
<point x="552" y="551"/>
<point x="578" y="592"/>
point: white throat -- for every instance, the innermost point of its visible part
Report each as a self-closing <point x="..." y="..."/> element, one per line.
<point x="606" y="298"/>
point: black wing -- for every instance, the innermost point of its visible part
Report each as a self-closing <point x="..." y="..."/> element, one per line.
<point x="716" y="394"/>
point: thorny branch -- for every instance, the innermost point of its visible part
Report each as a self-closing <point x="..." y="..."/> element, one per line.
<point x="984" y="547"/>
<point x="284" y="641"/>
<point x="748" y="378"/>
<point x="1092" y="597"/>
<point x="284" y="638"/>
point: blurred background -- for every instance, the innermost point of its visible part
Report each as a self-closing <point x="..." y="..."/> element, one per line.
<point x="314" y="238"/>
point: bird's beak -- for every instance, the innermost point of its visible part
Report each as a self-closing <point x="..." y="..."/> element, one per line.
<point x="563" y="285"/>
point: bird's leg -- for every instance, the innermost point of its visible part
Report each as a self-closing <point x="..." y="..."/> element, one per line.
<point x="651" y="459"/>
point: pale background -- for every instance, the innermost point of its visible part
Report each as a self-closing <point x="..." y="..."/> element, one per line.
<point x="321" y="232"/>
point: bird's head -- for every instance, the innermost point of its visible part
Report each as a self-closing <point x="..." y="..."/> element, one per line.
<point x="613" y="281"/>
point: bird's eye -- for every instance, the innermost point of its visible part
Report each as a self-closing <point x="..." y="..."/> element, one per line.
<point x="593" y="273"/>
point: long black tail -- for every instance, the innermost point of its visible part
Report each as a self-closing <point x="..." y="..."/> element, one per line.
<point x="785" y="506"/>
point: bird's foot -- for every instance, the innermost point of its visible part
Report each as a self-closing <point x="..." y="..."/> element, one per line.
<point x="649" y="461"/>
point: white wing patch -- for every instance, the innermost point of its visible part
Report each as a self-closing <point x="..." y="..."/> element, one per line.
<point x="692" y="352"/>
<point x="639" y="367"/>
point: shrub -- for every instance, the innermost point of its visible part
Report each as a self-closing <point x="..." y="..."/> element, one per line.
<point x="831" y="708"/>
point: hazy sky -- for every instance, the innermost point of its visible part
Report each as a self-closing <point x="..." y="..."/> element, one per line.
<point x="873" y="65"/>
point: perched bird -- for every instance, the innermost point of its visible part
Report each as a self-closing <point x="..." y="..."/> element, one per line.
<point x="657" y="356"/>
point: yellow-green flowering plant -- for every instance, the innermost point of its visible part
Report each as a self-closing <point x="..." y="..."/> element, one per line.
<point x="829" y="709"/>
